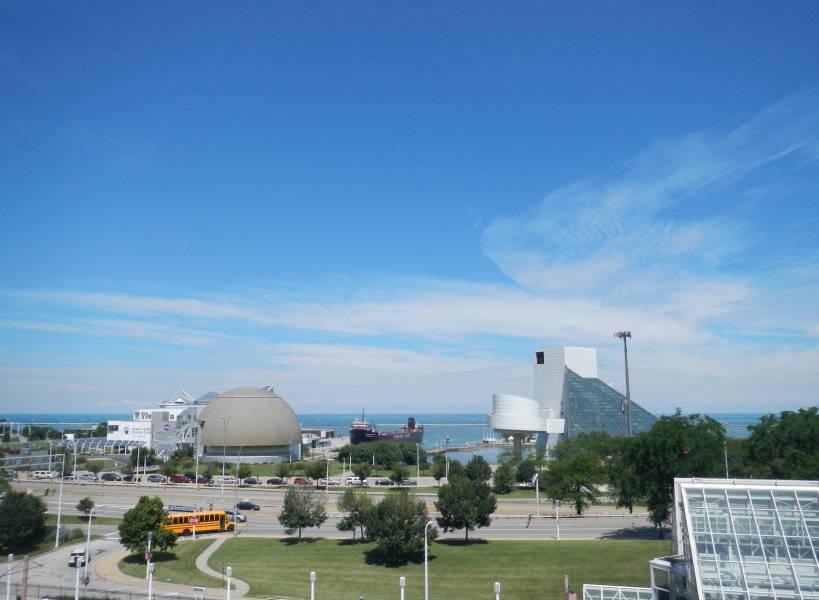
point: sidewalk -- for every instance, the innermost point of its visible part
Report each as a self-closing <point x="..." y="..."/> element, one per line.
<point x="107" y="568"/>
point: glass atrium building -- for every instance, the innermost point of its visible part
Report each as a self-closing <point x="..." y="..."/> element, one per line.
<point x="736" y="539"/>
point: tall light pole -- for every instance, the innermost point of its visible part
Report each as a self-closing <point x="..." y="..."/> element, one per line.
<point x="60" y="502"/>
<point x="402" y="582"/>
<point x="426" y="561"/>
<point x="225" y="421"/>
<point x="88" y="540"/>
<point x="417" y="463"/>
<point x="624" y="335"/>
<point x="446" y="458"/>
<point x="236" y="491"/>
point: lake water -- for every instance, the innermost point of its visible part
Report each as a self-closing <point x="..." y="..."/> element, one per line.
<point x="462" y="429"/>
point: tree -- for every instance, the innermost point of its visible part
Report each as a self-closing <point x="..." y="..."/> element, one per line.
<point x="146" y="517"/>
<point x="574" y="479"/>
<point x="438" y="468"/>
<point x="357" y="506"/>
<point x="504" y="478"/>
<point x="302" y="508"/>
<point x="396" y="525"/>
<point x="624" y="483"/>
<point x="399" y="473"/>
<point x="465" y="504"/>
<point x="526" y="470"/>
<point x="245" y="471"/>
<point x="22" y="521"/>
<point x="362" y="470"/>
<point x="315" y="470"/>
<point x="784" y="447"/>
<point x="85" y="506"/>
<point x="94" y="466"/>
<point x="675" y="446"/>
<point x="455" y="469"/>
<point x="477" y="469"/>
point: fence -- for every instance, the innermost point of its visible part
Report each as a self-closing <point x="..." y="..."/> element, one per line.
<point x="51" y="592"/>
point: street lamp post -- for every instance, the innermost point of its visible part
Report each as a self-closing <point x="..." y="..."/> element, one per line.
<point x="446" y="458"/>
<point x="426" y="561"/>
<point x="418" y="462"/>
<point x="624" y="335"/>
<point x="402" y="581"/>
<point x="236" y="491"/>
<point x="535" y="483"/>
<point x="60" y="503"/>
<point x="229" y="574"/>
<point x="225" y="421"/>
<point x="497" y="590"/>
<point x="88" y="539"/>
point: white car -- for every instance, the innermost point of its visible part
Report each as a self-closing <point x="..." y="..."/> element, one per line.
<point x="325" y="481"/>
<point x="77" y="558"/>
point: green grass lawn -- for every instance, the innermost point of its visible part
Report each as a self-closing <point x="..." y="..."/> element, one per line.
<point x="280" y="568"/>
<point x="178" y="566"/>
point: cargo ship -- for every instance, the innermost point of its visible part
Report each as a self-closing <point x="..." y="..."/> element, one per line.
<point x="361" y="431"/>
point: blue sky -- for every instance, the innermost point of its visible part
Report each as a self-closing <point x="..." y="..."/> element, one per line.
<point x="389" y="206"/>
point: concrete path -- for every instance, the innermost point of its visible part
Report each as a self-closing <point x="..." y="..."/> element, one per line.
<point x="107" y="568"/>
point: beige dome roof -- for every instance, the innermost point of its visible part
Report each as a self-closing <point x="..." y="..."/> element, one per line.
<point x="254" y="417"/>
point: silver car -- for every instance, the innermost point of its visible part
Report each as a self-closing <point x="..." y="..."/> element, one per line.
<point x="235" y="515"/>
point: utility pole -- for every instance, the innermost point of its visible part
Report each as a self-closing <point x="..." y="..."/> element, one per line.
<point x="623" y="335"/>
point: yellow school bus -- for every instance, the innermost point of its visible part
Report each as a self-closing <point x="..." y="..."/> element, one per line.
<point x="208" y="521"/>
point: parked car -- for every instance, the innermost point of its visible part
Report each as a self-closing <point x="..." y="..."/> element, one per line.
<point x="353" y="480"/>
<point x="178" y="479"/>
<point x="110" y="477"/>
<point x="253" y="481"/>
<point x="88" y="477"/>
<point x="325" y="481"/>
<point x="276" y="481"/>
<point x="69" y="477"/>
<point x="235" y="515"/>
<point x="383" y="481"/>
<point x="408" y="482"/>
<point x="154" y="478"/>
<point x="245" y="505"/>
<point x="130" y="478"/>
<point x="199" y="479"/>
<point x="302" y="481"/>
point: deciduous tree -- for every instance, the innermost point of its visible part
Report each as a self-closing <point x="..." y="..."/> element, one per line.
<point x="22" y="521"/>
<point x="784" y="446"/>
<point x="504" y="478"/>
<point x="676" y="446"/>
<point x="146" y="517"/>
<point x="85" y="506"/>
<point x="303" y="507"/>
<point x="356" y="506"/>
<point x="574" y="478"/>
<point x="396" y="525"/>
<point x="465" y="504"/>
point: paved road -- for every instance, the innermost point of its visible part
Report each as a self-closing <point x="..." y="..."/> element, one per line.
<point x="514" y="520"/>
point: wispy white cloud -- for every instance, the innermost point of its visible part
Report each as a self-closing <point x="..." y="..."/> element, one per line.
<point x="688" y="248"/>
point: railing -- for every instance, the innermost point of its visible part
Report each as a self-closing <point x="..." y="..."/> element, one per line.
<point x="51" y="592"/>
